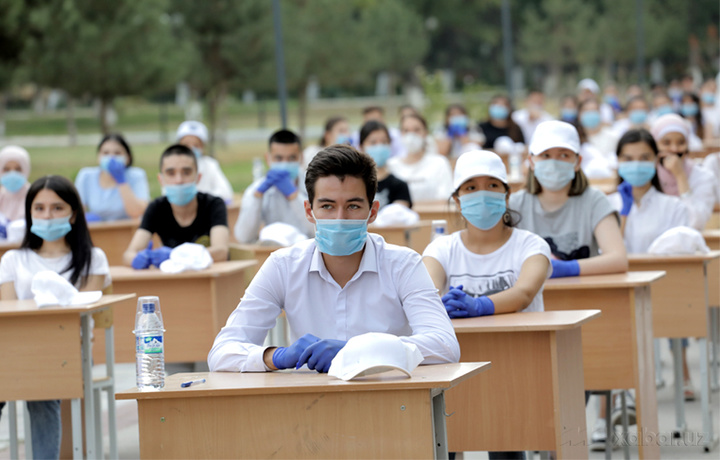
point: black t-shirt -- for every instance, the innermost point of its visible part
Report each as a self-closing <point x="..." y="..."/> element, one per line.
<point x="493" y="132"/>
<point x="392" y="189"/>
<point x="158" y="218"/>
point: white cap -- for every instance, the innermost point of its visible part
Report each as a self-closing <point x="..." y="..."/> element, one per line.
<point x="192" y="128"/>
<point x="280" y="234"/>
<point x="373" y="353"/>
<point x="187" y="257"/>
<point x="679" y="240"/>
<point x="49" y="288"/>
<point x="554" y="133"/>
<point x="478" y="163"/>
<point x="589" y="84"/>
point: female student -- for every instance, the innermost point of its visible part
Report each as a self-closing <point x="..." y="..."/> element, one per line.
<point x="14" y="172"/>
<point x="115" y="189"/>
<point x="458" y="133"/>
<point x="500" y="122"/>
<point x="375" y="141"/>
<point x="57" y="239"/>
<point x="337" y="131"/>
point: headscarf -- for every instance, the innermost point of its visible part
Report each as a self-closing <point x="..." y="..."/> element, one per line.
<point x="664" y="125"/>
<point x="12" y="205"/>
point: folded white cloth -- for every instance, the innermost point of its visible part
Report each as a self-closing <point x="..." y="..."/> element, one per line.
<point x="49" y="288"/>
<point x="16" y="230"/>
<point x="280" y="234"/>
<point x="679" y="240"/>
<point x="187" y="256"/>
<point x="372" y="353"/>
<point x="395" y="214"/>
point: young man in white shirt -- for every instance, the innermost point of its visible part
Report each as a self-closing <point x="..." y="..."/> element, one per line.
<point x="339" y="285"/>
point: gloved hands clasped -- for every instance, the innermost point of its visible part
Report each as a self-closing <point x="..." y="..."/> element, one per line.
<point x="626" y="194"/>
<point x="149" y="256"/>
<point x="460" y="305"/>
<point x="280" y="179"/>
<point x="315" y="352"/>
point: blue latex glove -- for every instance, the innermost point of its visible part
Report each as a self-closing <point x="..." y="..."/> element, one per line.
<point x="319" y="355"/>
<point x="142" y="259"/>
<point x="3" y="231"/>
<point x="116" y="168"/>
<point x="284" y="183"/>
<point x="625" y="190"/>
<point x="269" y="181"/>
<point x="454" y="293"/>
<point x="287" y="357"/>
<point x="160" y="255"/>
<point x="92" y="217"/>
<point x="460" y="305"/>
<point x="563" y="268"/>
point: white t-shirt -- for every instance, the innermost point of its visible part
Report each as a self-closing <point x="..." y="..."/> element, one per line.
<point x="20" y="265"/>
<point x="429" y="179"/>
<point x="487" y="274"/>
<point x="606" y="142"/>
<point x="213" y="180"/>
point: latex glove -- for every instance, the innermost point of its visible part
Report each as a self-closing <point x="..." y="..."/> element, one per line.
<point x="287" y="357"/>
<point x="142" y="259"/>
<point x="563" y="268"/>
<point x="3" y="232"/>
<point x="625" y="190"/>
<point x="319" y="355"/>
<point x="454" y="293"/>
<point x="116" y="168"/>
<point x="269" y="181"/>
<point x="284" y="183"/>
<point x="160" y="255"/>
<point x="92" y="217"/>
<point x="466" y="306"/>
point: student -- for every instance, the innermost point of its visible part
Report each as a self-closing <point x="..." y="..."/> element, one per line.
<point x="182" y="215"/>
<point x="337" y="131"/>
<point x="712" y="164"/>
<point x="57" y="239"/>
<point x="636" y="110"/>
<point x="709" y="110"/>
<point x="678" y="175"/>
<point x="279" y="196"/>
<point x="15" y="169"/>
<point x="589" y="89"/>
<point x="377" y="113"/>
<point x="194" y="135"/>
<point x="375" y="141"/>
<point x="593" y="132"/>
<point x="500" y="122"/>
<point x="569" y="109"/>
<point x="116" y="189"/>
<point x="343" y="283"/>
<point x="701" y="132"/>
<point x="576" y="220"/>
<point x="532" y="115"/>
<point x="458" y="134"/>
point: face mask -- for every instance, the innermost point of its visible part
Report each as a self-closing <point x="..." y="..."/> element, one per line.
<point x="498" y="112"/>
<point x="340" y="237"/>
<point x="197" y="152"/>
<point x="483" y="209"/>
<point x="180" y="195"/>
<point x="689" y="110"/>
<point x="106" y="159"/>
<point x="292" y="167"/>
<point x="664" y="110"/>
<point x="554" y="174"/>
<point x="590" y="119"/>
<point x="637" y="117"/>
<point x="380" y="153"/>
<point x="51" y="229"/>
<point x="342" y="139"/>
<point x="675" y="93"/>
<point x="636" y="173"/>
<point x="413" y="143"/>
<point x="708" y="98"/>
<point x="458" y="125"/>
<point x="12" y="181"/>
<point x="569" y="115"/>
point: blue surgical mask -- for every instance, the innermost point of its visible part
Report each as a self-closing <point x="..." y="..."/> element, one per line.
<point x="458" y="125"/>
<point x="636" y="173"/>
<point x="590" y="119"/>
<point x="51" y="229"/>
<point x="689" y="110"/>
<point x="12" y="181"/>
<point x="380" y="153"/>
<point x="342" y="139"/>
<point x="554" y="174"/>
<point x="181" y="194"/>
<point x="568" y="115"/>
<point x="708" y="98"/>
<point x="197" y="152"/>
<point x="105" y="162"/>
<point x="498" y="112"/>
<point x="292" y="167"/>
<point x="340" y="237"/>
<point x="483" y="209"/>
<point x="637" y="116"/>
<point x="663" y="110"/>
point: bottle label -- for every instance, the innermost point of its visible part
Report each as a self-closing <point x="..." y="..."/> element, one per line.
<point x="150" y="344"/>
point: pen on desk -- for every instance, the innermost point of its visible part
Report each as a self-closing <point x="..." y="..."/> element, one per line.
<point x="192" y="382"/>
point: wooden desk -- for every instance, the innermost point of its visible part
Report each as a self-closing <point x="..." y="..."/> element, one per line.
<point x="712" y="239"/>
<point x="441" y="210"/>
<point x="533" y="397"/>
<point x="714" y="222"/>
<point x="42" y="349"/>
<point x="113" y="237"/>
<point x="194" y="305"/>
<point x="299" y="414"/>
<point x="416" y="236"/>
<point x="618" y="346"/>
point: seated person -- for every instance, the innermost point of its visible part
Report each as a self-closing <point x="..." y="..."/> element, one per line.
<point x="115" y="189"/>
<point x="279" y="196"/>
<point x="14" y="172"/>
<point x="194" y="135"/>
<point x="182" y="215"/>
<point x="341" y="284"/>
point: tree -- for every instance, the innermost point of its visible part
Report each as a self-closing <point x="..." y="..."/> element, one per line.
<point x="12" y="36"/>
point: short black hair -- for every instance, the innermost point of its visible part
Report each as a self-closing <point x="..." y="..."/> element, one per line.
<point x="340" y="161"/>
<point x="178" y="149"/>
<point x="634" y="136"/>
<point x="284" y="136"/>
<point x="120" y="140"/>
<point x="373" y="108"/>
<point x="370" y="127"/>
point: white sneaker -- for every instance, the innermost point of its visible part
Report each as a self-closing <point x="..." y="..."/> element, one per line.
<point x="598" y="439"/>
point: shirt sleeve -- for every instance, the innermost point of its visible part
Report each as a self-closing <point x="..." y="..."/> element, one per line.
<point x="247" y="227"/>
<point x="238" y="345"/>
<point x="401" y="193"/>
<point x="444" y="179"/>
<point x="137" y="178"/>
<point x="149" y="218"/>
<point x="81" y="184"/>
<point x="701" y="199"/>
<point x="218" y="212"/>
<point x="221" y="185"/>
<point x="439" y="249"/>
<point x="534" y="245"/>
<point x="7" y="267"/>
<point x="99" y="265"/>
<point x="600" y="207"/>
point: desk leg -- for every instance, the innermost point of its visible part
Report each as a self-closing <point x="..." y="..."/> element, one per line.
<point x="12" y="418"/>
<point x="710" y="439"/>
<point x="659" y="381"/>
<point x="679" y="383"/>
<point x="715" y="341"/>
<point x="76" y="416"/>
<point x="439" y="427"/>
<point x="87" y="389"/>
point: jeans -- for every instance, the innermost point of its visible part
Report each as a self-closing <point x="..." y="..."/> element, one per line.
<point x="46" y="428"/>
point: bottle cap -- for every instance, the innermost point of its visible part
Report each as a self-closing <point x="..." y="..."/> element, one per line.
<point x="148" y="308"/>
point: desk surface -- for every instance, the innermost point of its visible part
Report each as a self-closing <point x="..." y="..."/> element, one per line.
<point x="713" y="235"/>
<point x="114" y="224"/>
<point x="530" y="321"/>
<point x="29" y="307"/>
<point x="216" y="269"/>
<point x="672" y="258"/>
<point x="304" y="381"/>
<point x="629" y="279"/>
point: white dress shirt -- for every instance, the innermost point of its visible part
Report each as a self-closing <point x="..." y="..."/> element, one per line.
<point x="391" y="292"/>
<point x="701" y="198"/>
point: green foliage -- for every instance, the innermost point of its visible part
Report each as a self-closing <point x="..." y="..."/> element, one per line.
<point x="12" y="38"/>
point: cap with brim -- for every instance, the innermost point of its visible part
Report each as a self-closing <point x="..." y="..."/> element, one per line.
<point x="373" y="353"/>
<point x="554" y="134"/>
<point x="192" y="128"/>
<point x="478" y="163"/>
<point x="589" y="84"/>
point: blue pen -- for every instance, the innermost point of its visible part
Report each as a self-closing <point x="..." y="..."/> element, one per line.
<point x="187" y="384"/>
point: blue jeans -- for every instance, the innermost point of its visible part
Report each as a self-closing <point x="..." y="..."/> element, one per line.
<point x="46" y="428"/>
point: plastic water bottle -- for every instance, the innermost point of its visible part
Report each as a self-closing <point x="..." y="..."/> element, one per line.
<point x="439" y="228"/>
<point x="258" y="170"/>
<point x="149" y="344"/>
<point x="515" y="162"/>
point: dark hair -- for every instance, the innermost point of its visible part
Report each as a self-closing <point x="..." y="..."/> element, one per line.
<point x="418" y="117"/>
<point x="407" y="106"/>
<point x="79" y="236"/>
<point x="284" y="136"/>
<point x="580" y="128"/>
<point x="370" y="127"/>
<point x="634" y="136"/>
<point x="329" y="125"/>
<point x="635" y="99"/>
<point x="699" y="128"/>
<point x="120" y="140"/>
<point x="514" y="131"/>
<point x="178" y="149"/>
<point x="373" y="108"/>
<point x="340" y="161"/>
<point x="460" y="107"/>
<point x="510" y="217"/>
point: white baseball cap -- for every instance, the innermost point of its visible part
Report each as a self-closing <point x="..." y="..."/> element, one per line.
<point x="192" y="128"/>
<point x="589" y="84"/>
<point x="372" y="353"/>
<point x="478" y="163"/>
<point x="554" y="133"/>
